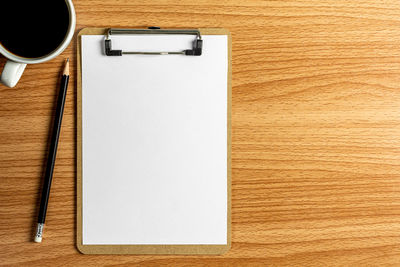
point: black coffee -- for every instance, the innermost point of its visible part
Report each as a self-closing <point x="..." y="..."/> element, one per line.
<point x="33" y="28"/>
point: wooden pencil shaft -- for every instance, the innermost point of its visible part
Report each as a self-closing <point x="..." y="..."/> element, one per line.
<point x="51" y="158"/>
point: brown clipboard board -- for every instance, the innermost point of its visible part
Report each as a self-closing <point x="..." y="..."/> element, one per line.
<point x="149" y="249"/>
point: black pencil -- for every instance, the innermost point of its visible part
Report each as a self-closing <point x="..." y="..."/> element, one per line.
<point x="51" y="158"/>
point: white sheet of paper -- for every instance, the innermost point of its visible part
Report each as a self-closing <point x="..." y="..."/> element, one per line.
<point x="154" y="142"/>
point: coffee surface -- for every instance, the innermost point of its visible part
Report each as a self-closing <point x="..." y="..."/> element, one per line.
<point x="33" y="28"/>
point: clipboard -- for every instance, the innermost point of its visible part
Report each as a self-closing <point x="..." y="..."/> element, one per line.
<point x="150" y="248"/>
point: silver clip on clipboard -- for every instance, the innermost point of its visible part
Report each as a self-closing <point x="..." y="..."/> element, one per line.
<point x="195" y="51"/>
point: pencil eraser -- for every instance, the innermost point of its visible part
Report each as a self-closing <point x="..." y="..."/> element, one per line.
<point x="39" y="232"/>
<point x="38" y="239"/>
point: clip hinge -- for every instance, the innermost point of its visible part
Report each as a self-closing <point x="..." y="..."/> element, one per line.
<point x="197" y="48"/>
<point x="109" y="51"/>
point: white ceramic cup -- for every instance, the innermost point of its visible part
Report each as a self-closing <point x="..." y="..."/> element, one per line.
<point x="15" y="65"/>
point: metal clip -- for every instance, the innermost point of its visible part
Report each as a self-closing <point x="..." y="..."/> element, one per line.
<point x="195" y="51"/>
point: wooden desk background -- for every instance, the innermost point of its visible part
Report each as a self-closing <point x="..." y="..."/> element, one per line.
<point x="316" y="135"/>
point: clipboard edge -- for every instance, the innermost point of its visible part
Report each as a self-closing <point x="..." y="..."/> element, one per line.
<point x="153" y="249"/>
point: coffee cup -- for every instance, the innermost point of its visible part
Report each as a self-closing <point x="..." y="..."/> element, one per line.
<point x="45" y="30"/>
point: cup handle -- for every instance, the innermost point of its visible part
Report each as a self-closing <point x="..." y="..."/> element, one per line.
<point x="12" y="73"/>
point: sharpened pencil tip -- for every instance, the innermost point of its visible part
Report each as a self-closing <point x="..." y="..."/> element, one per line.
<point x="66" y="68"/>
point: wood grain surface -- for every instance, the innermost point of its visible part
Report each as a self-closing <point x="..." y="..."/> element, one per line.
<point x="315" y="142"/>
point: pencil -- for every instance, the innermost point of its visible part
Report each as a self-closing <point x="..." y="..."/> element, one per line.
<point x="51" y="158"/>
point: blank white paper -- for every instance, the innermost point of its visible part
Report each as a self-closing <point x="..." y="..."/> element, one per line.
<point x="154" y="141"/>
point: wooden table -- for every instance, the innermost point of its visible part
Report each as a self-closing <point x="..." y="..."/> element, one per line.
<point x="316" y="135"/>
